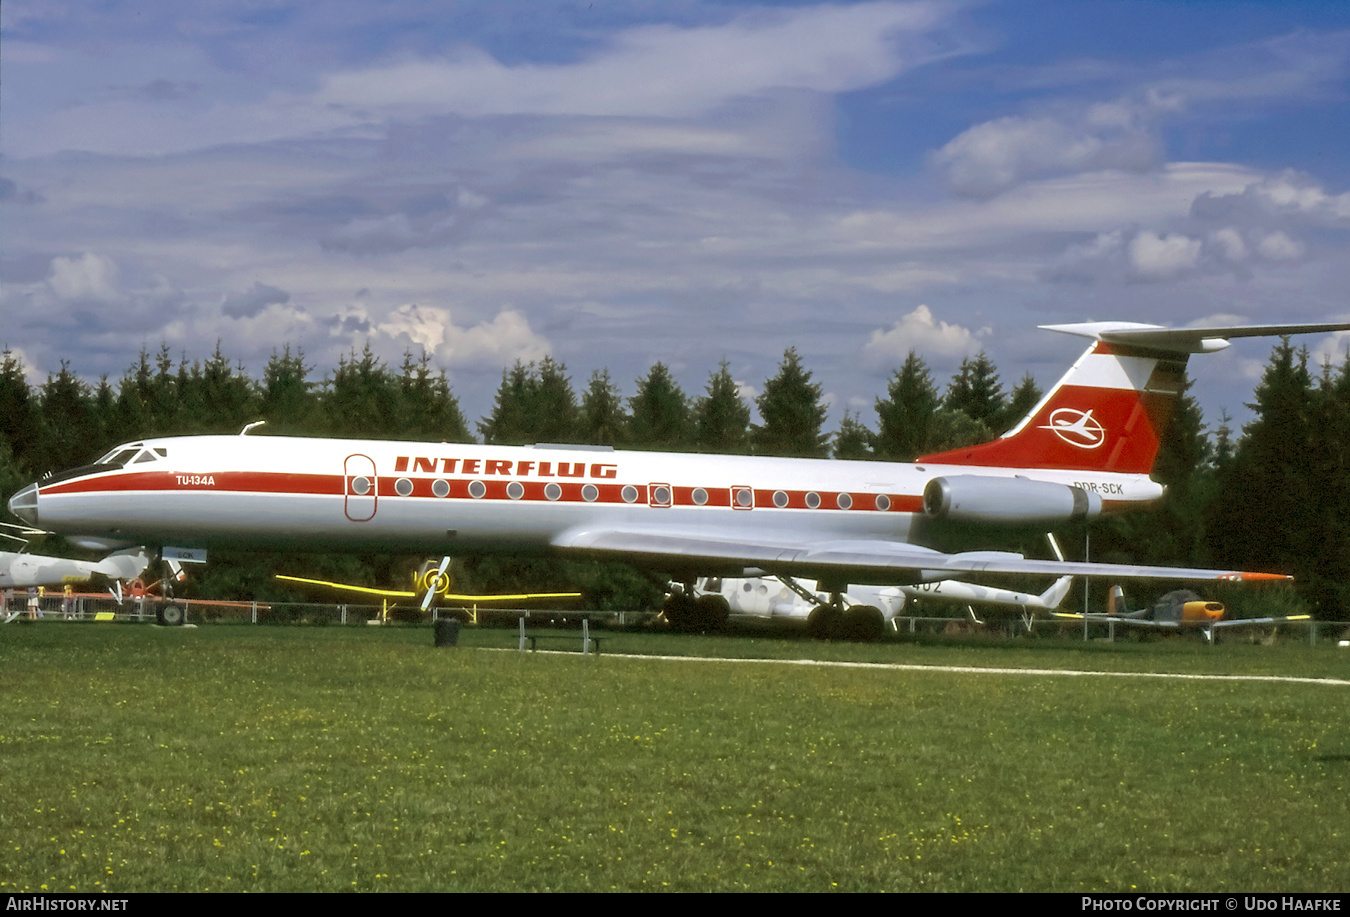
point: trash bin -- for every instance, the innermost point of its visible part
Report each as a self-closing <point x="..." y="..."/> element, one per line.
<point x="447" y="631"/>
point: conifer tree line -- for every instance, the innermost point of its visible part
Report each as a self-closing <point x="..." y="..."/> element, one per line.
<point x="1275" y="496"/>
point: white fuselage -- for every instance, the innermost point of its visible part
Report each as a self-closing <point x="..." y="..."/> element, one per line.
<point x="230" y="490"/>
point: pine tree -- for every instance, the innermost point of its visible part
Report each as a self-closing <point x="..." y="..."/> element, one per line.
<point x="602" y="421"/>
<point x="975" y="390"/>
<point x="906" y="416"/>
<point x="363" y="399"/>
<point x="230" y="397"/>
<point x="854" y="440"/>
<point x="722" y="418"/>
<point x="534" y="404"/>
<point x="954" y="429"/>
<point x="430" y="409"/>
<point x="509" y="423"/>
<point x="1266" y="517"/>
<point x="70" y="429"/>
<point x="1025" y="397"/>
<point x="135" y="396"/>
<point x="792" y="413"/>
<point x="19" y="415"/>
<point x="554" y="410"/>
<point x="659" y="416"/>
<point x="287" y="401"/>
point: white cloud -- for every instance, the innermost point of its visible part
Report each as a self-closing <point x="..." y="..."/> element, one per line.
<point x="1294" y="192"/>
<point x="1229" y="244"/>
<point x="1279" y="247"/>
<point x="992" y="157"/>
<point x="1082" y="203"/>
<point x="1334" y="349"/>
<point x="919" y="331"/>
<point x="1289" y="196"/>
<point x="657" y="70"/>
<point x="88" y="278"/>
<point x="253" y="301"/>
<point x="1155" y="257"/>
<point x="500" y="342"/>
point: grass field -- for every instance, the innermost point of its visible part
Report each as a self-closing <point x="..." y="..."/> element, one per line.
<point x="328" y="758"/>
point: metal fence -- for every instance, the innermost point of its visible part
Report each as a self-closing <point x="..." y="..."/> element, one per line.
<point x="53" y="605"/>
<point x="103" y="606"/>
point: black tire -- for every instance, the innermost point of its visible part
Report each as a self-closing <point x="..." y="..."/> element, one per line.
<point x="169" y="616"/>
<point x="713" y="613"/>
<point x="866" y="623"/>
<point x="824" y="623"/>
<point x="680" y="612"/>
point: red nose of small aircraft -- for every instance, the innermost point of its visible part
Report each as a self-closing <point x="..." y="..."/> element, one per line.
<point x="24" y="504"/>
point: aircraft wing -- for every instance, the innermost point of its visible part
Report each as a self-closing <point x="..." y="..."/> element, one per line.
<point x="862" y="562"/>
<point x="1176" y="625"/>
<point x="448" y="596"/>
<point x="1241" y="622"/>
<point x="1119" y="619"/>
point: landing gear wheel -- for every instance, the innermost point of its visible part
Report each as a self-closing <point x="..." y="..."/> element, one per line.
<point x="680" y="611"/>
<point x="824" y="623"/>
<point x="169" y="616"/>
<point x="865" y="623"/>
<point x="712" y="613"/>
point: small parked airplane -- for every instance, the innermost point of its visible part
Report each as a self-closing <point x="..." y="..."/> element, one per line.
<point x="23" y="570"/>
<point x="432" y="582"/>
<point x="867" y="609"/>
<point x="1180" y="609"/>
<point x="1088" y="447"/>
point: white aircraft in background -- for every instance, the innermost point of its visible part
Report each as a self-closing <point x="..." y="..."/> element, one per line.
<point x="23" y="570"/>
<point x="867" y="611"/>
<point x="1088" y="447"/>
<point x="1180" y="609"/>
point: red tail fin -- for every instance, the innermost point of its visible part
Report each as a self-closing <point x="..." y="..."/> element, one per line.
<point x="1108" y="413"/>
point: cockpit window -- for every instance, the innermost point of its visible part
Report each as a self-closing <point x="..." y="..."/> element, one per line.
<point x="120" y="458"/>
<point x="130" y="454"/>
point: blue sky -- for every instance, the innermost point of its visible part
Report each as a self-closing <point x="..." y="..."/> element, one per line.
<point x="618" y="183"/>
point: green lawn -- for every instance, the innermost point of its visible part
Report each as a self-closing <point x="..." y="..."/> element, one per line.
<point x="327" y="758"/>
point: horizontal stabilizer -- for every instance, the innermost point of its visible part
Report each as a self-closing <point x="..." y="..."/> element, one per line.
<point x="1184" y="340"/>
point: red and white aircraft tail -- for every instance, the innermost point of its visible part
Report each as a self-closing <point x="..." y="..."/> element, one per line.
<point x="1112" y="407"/>
<point x="1108" y="413"/>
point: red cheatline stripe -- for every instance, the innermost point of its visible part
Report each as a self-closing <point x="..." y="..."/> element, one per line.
<point x="495" y="489"/>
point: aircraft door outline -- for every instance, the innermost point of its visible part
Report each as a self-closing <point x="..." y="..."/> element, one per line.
<point x="360" y="487"/>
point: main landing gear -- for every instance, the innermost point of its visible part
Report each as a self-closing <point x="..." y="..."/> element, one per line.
<point x="690" y="615"/>
<point x="836" y="619"/>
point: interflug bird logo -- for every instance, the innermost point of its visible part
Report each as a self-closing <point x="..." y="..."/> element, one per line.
<point x="1077" y="428"/>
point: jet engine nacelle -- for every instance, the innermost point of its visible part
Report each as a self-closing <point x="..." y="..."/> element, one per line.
<point x="1008" y="501"/>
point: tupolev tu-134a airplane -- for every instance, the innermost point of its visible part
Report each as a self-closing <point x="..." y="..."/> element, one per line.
<point x="1086" y="448"/>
